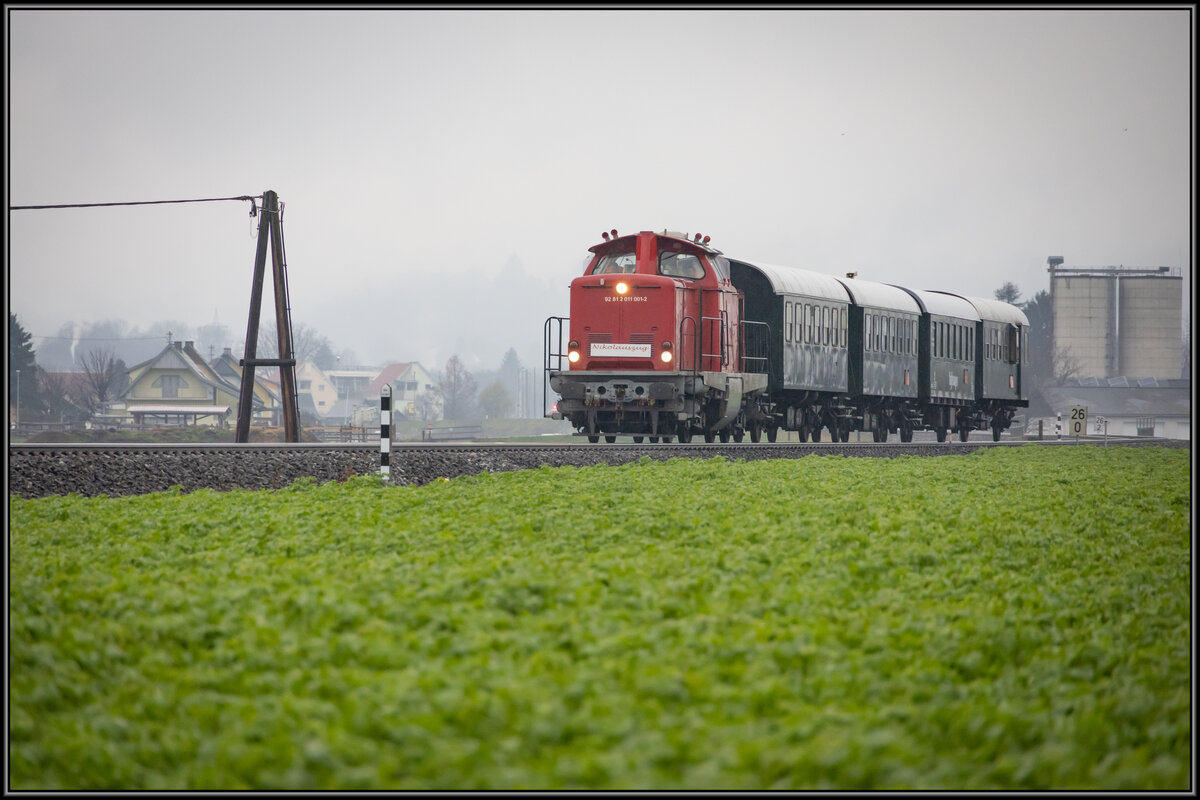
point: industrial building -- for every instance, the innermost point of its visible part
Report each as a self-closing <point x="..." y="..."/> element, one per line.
<point x="1117" y="321"/>
<point x="1122" y="330"/>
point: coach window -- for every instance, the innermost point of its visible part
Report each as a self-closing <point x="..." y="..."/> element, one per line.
<point x="616" y="263"/>
<point x="808" y="326"/>
<point x="842" y="324"/>
<point x="787" y="321"/>
<point x="680" y="265"/>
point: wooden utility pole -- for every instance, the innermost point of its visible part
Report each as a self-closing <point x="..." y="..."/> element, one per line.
<point x="270" y="230"/>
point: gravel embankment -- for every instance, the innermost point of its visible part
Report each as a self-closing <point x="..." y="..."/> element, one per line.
<point x="40" y="472"/>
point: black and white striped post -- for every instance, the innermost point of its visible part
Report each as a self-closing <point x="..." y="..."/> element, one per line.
<point x="385" y="432"/>
<point x="1058" y="426"/>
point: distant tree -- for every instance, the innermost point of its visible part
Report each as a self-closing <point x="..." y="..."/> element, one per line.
<point x="21" y="357"/>
<point x="496" y="402"/>
<point x="1066" y="366"/>
<point x="458" y="389"/>
<point x="102" y="374"/>
<point x="307" y="344"/>
<point x="1046" y="365"/>
<point x="61" y="395"/>
<point x="1008" y="293"/>
<point x="428" y="402"/>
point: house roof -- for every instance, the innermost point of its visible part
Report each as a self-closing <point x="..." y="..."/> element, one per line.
<point x="387" y="375"/>
<point x="178" y="356"/>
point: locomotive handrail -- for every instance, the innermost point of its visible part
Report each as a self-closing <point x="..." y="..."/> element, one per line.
<point x="551" y="353"/>
<point x="757" y="334"/>
<point x="683" y="323"/>
<point x="721" y="347"/>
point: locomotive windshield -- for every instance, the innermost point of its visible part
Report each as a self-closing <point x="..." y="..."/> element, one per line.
<point x="616" y="263"/>
<point x="680" y="265"/>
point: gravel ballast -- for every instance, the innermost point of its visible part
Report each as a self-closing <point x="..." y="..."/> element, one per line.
<point x="91" y="470"/>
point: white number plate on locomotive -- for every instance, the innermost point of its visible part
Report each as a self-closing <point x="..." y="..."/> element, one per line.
<point x="622" y="350"/>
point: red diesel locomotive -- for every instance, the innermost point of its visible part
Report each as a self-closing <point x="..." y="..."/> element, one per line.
<point x="657" y="345"/>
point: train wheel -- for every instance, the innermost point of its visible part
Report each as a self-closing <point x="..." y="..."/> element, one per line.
<point x="666" y="440"/>
<point x="963" y="433"/>
<point x="816" y="434"/>
<point x="637" y="440"/>
<point x="845" y="432"/>
<point x="710" y="437"/>
<point x="803" y="433"/>
<point x="685" y="434"/>
<point x="772" y="433"/>
<point x="995" y="433"/>
<point x="724" y="434"/>
<point x="610" y="439"/>
<point x="906" y="434"/>
<point x="653" y="440"/>
<point x="941" y="434"/>
<point x="755" y="433"/>
<point x="593" y="439"/>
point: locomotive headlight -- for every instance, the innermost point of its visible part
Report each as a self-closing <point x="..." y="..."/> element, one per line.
<point x="622" y="287"/>
<point x="572" y="351"/>
<point x="665" y="355"/>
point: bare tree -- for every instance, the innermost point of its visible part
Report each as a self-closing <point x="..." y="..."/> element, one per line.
<point x="458" y="389"/>
<point x="101" y="370"/>
<point x="1066" y="366"/>
<point x="61" y="395"/>
<point x="428" y="403"/>
<point x="307" y="344"/>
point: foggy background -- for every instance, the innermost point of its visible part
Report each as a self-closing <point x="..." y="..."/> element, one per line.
<point x="443" y="172"/>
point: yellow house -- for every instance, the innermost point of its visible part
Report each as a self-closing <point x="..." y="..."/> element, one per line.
<point x="267" y="409"/>
<point x="177" y="387"/>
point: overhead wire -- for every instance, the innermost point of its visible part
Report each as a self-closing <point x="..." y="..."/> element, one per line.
<point x="251" y="198"/>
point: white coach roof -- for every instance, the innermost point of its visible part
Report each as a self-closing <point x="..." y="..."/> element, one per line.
<point x="946" y="305"/>
<point x="791" y="280"/>
<point x="995" y="310"/>
<point x="880" y="295"/>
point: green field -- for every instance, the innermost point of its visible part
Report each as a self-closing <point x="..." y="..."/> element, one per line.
<point x="1017" y="618"/>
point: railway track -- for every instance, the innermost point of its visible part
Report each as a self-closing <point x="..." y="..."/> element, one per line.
<point x="38" y="470"/>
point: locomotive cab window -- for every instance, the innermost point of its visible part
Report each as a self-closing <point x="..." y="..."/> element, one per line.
<point x="616" y="264"/>
<point x="680" y="265"/>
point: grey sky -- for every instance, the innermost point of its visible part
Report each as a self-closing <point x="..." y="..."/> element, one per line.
<point x="445" y="171"/>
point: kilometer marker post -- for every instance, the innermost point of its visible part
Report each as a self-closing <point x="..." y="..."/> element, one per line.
<point x="385" y="432"/>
